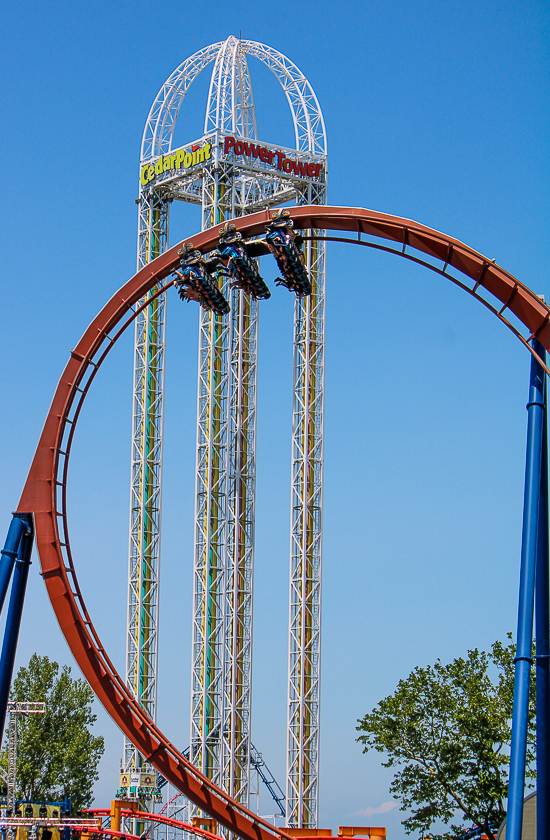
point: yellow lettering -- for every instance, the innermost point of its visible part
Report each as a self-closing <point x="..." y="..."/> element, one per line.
<point x="180" y="158"/>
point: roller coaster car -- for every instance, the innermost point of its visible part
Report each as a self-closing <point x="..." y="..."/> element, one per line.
<point x="195" y="282"/>
<point x="241" y="267"/>
<point x="286" y="247"/>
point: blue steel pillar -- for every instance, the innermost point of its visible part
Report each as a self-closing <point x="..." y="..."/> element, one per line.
<point x="529" y="543"/>
<point x="17" y="530"/>
<point x="542" y="634"/>
<point x="13" y="620"/>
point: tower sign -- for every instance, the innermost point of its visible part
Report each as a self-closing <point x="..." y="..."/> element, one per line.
<point x="182" y="163"/>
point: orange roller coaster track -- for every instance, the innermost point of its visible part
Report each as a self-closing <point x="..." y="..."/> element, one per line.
<point x="44" y="494"/>
<point x="144" y="816"/>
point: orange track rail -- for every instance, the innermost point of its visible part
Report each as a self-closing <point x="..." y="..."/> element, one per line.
<point x="44" y="494"/>
<point x="145" y="816"/>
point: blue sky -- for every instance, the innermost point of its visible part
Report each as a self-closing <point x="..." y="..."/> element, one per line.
<point x="437" y="111"/>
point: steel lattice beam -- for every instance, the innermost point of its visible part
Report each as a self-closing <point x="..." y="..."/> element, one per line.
<point x="146" y="477"/>
<point x="306" y="541"/>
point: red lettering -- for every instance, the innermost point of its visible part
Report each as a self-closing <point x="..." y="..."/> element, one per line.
<point x="238" y="147"/>
<point x="311" y="170"/>
<point x="280" y="158"/>
<point x="300" y="168"/>
<point x="288" y="165"/>
<point x="318" y="169"/>
<point x="229" y="142"/>
<point x="264" y="155"/>
<point x="251" y="149"/>
<point x="271" y="156"/>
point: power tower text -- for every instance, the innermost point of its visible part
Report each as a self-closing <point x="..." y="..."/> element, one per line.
<point x="274" y="158"/>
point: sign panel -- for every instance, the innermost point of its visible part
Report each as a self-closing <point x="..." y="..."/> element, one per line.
<point x="273" y="157"/>
<point x="181" y="159"/>
<point x="264" y="159"/>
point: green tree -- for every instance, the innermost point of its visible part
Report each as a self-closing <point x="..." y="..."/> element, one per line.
<point x="448" y="729"/>
<point x="57" y="755"/>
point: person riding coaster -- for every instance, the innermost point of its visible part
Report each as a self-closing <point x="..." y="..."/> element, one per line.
<point x="286" y="247"/>
<point x="239" y="265"/>
<point x="196" y="283"/>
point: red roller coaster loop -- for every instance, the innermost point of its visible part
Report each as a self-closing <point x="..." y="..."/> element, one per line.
<point x="44" y="494"/>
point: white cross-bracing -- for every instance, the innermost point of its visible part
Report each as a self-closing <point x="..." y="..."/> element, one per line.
<point x="225" y="476"/>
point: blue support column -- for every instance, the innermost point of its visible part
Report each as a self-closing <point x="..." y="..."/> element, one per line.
<point x="13" y="620"/>
<point x="523" y="661"/>
<point x="18" y="528"/>
<point x="542" y="633"/>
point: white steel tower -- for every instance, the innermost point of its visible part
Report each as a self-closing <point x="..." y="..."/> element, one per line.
<point x="306" y="544"/>
<point x="229" y="173"/>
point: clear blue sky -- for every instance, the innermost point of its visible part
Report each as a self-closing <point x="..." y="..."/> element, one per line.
<point x="437" y="111"/>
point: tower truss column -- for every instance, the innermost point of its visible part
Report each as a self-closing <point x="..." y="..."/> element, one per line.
<point x="226" y="468"/>
<point x="306" y="541"/>
<point x="146" y="477"/>
<point x="209" y="564"/>
<point x="147" y="416"/>
<point x="240" y="548"/>
<point x="223" y="571"/>
<point x="207" y="675"/>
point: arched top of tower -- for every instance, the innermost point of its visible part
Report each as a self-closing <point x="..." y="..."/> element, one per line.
<point x="230" y="105"/>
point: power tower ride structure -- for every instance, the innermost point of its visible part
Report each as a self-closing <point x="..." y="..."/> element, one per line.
<point x="229" y="173"/>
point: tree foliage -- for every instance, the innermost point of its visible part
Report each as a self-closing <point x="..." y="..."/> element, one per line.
<point x="448" y="730"/>
<point x="57" y="755"/>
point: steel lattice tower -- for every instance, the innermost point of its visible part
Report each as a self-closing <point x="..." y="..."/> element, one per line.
<point x="146" y="477"/>
<point x="306" y="542"/>
<point x="227" y="185"/>
<point x="225" y="472"/>
<point x="147" y="423"/>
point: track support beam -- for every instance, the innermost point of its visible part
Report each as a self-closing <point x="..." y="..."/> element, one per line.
<point x="17" y="551"/>
<point x="532" y="540"/>
<point x="542" y="633"/>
